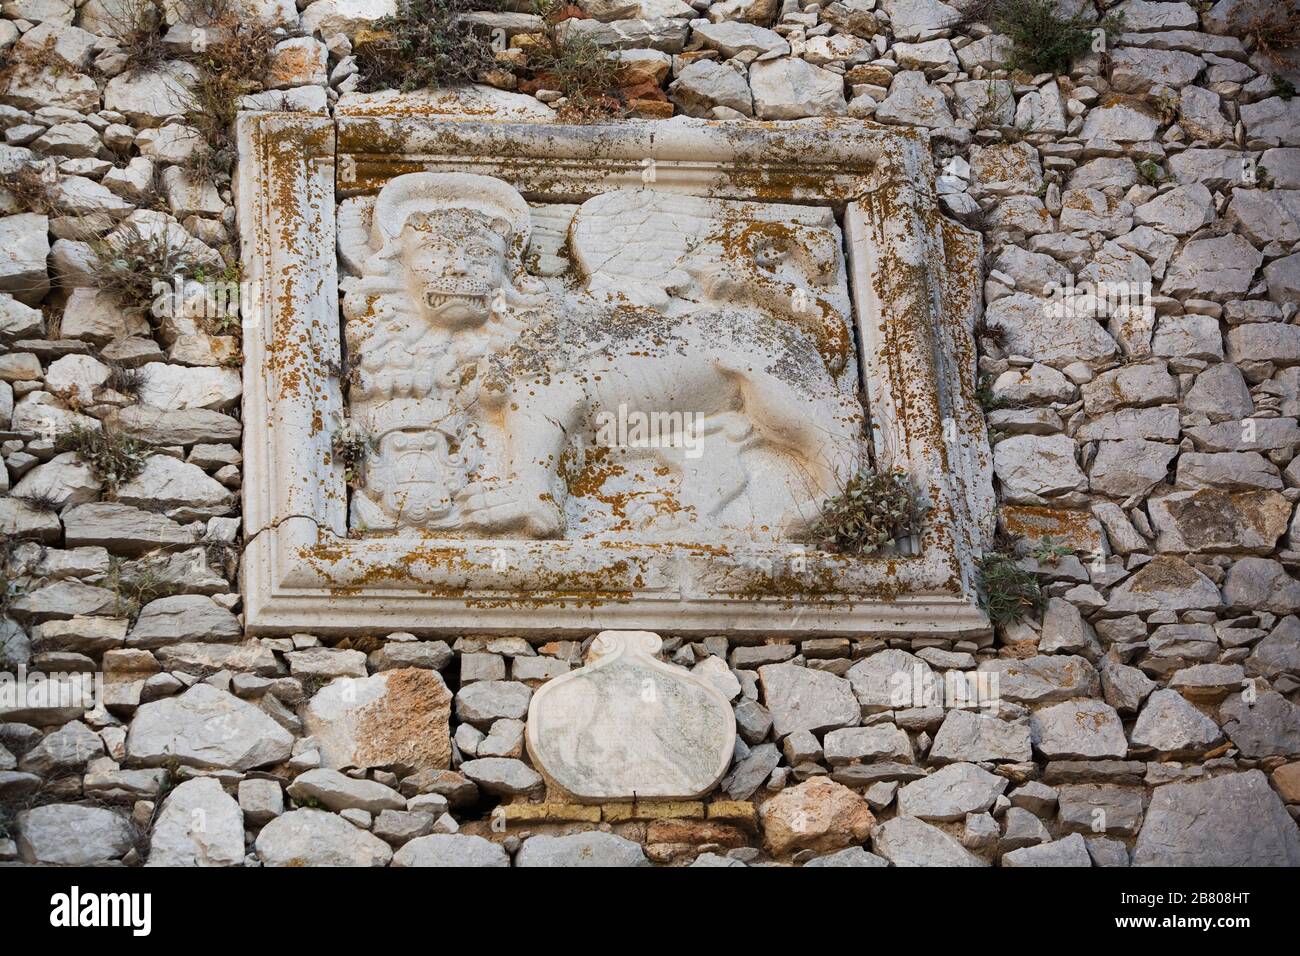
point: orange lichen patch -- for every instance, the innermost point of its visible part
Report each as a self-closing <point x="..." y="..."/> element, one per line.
<point x="409" y="725"/>
<point x="1076" y="530"/>
<point x="1163" y="573"/>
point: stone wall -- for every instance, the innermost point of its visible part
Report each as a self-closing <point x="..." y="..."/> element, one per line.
<point x="1152" y="707"/>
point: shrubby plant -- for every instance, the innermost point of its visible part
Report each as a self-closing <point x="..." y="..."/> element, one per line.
<point x="873" y="511"/>
<point x="425" y="45"/>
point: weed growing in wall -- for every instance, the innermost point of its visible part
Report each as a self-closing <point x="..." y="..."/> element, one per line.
<point x="1044" y="41"/>
<point x="1008" y="592"/>
<point x="873" y="511"/>
<point x="113" y="458"/>
<point x="426" y="45"/>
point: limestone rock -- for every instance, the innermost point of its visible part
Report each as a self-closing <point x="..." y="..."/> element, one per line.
<point x="850" y="856"/>
<point x="178" y="387"/>
<point x="1070" y="851"/>
<point x="317" y="838"/>
<point x="1218" y="268"/>
<point x="180" y="490"/>
<point x="149" y="97"/>
<point x="65" y="834"/>
<point x="180" y="618"/>
<point x="206" y="728"/>
<point x="977" y="738"/>
<point x="487" y="701"/>
<point x="907" y="841"/>
<point x="951" y="793"/>
<point x="1233" y="820"/>
<point x="24" y="248"/>
<point x="800" y="698"/>
<point x="1211" y="519"/>
<point x="885" y="680"/>
<point x="1042" y="679"/>
<point x="730" y="38"/>
<point x="395" y="719"/>
<point x="200" y="825"/>
<point x="1078" y="730"/>
<point x="1268" y="727"/>
<point x="502" y="776"/>
<point x="1030" y="327"/>
<point x="580" y="849"/>
<point x="704" y="84"/>
<point x="792" y="89"/>
<point x="914" y="102"/>
<point x="1033" y="467"/>
<point x="1169" y="724"/>
<point x="1261" y="584"/>
<point x="818" y="814"/>
<point x="336" y="791"/>
<point x="452" y="850"/>
<point x="1164" y="584"/>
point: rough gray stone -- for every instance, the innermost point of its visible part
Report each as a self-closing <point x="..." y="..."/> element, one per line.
<point x="800" y="698"/>
<point x="65" y="834"/>
<point x="907" y="841"/>
<point x="1233" y="820"/>
<point x="200" y="825"/>
<point x="1071" y="851"/>
<point x="580" y="849"/>
<point x="951" y="793"/>
<point x="451" y="849"/>
<point x="317" y="838"/>
<point x="1078" y="730"/>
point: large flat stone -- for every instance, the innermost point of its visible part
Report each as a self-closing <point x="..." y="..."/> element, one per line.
<point x="1233" y="820"/>
<point x="206" y="728"/>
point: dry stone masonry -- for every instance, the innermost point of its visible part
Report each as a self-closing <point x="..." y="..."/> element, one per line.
<point x="453" y="497"/>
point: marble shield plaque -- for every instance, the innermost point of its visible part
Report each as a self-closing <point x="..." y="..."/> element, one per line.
<point x="628" y="726"/>
<point x="512" y="376"/>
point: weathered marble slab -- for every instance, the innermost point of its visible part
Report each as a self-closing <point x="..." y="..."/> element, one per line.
<point x="770" y="245"/>
<point x="629" y="726"/>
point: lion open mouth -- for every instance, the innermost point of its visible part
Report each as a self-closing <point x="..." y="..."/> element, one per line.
<point x="456" y="291"/>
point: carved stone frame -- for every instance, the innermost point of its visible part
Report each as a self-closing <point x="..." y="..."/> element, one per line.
<point x="914" y="280"/>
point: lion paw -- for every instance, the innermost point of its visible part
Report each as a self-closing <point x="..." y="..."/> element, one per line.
<point x="509" y="508"/>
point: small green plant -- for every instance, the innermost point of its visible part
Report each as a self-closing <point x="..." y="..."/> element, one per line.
<point x="873" y="511"/>
<point x="31" y="188"/>
<point x="232" y="63"/>
<point x="1151" y="171"/>
<point x="114" y="458"/>
<point x="137" y="27"/>
<point x="1043" y="41"/>
<point x="127" y="264"/>
<point x="574" y="65"/>
<point x="426" y="45"/>
<point x="39" y="501"/>
<point x="1046" y="552"/>
<point x="1283" y="87"/>
<point x="1274" y="28"/>
<point x="988" y="399"/>
<point x="135" y="585"/>
<point x="1008" y="592"/>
